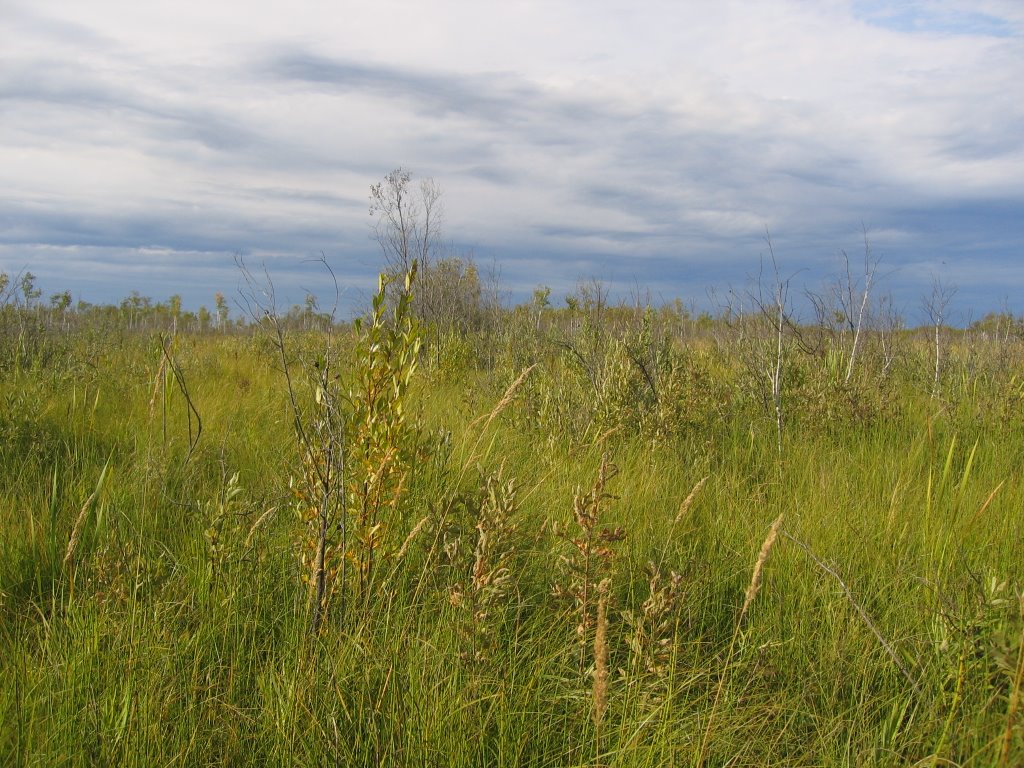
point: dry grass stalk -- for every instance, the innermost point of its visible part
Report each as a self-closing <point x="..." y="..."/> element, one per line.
<point x="474" y="456"/>
<point x="752" y="590"/>
<point x="76" y="531"/>
<point x="601" y="656"/>
<point x="412" y="535"/>
<point x="157" y="384"/>
<point x="505" y="399"/>
<point x="651" y="634"/>
<point x="501" y="406"/>
<point x="762" y="558"/>
<point x="589" y="559"/>
<point x="483" y="595"/>
<point x="688" y="501"/>
<point x="601" y="438"/>
<point x="983" y="507"/>
<point x="258" y="524"/>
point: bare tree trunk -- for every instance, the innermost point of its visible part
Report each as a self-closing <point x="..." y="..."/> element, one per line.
<point x="779" y="321"/>
<point x="935" y="307"/>
<point x="869" y="274"/>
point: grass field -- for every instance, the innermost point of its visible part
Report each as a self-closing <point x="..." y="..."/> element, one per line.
<point x="564" y="539"/>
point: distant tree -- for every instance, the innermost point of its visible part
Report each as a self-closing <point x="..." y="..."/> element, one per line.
<point x="449" y="295"/>
<point x="60" y="301"/>
<point x="408" y="222"/>
<point x="408" y="228"/>
<point x="936" y="307"/>
<point x="222" y="310"/>
<point x="175" y="307"/>
<point x="135" y="307"/>
<point x="28" y="289"/>
<point x="998" y="325"/>
<point x="542" y="301"/>
<point x="309" y="311"/>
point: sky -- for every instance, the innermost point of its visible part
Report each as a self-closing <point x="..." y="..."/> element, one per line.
<point x="650" y="145"/>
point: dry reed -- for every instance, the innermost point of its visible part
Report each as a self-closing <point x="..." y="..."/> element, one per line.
<point x="983" y="507"/>
<point x="412" y="535"/>
<point x="76" y="530"/>
<point x="762" y="557"/>
<point x="258" y="524"/>
<point x="505" y="399"/>
<point x="688" y="501"/>
<point x="502" y="404"/>
<point x="752" y="590"/>
<point x="601" y="657"/>
<point x="158" y="381"/>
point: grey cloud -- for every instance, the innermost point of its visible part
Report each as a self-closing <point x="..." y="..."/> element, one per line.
<point x="492" y="174"/>
<point x="656" y="169"/>
<point x="25" y="19"/>
<point x="692" y="199"/>
<point x="54" y="82"/>
<point x="501" y="100"/>
<point x="593" y="233"/>
<point x="655" y="207"/>
<point x="666" y="177"/>
<point x="984" y="143"/>
<point x="327" y="199"/>
<point x="161" y="122"/>
<point x="171" y="228"/>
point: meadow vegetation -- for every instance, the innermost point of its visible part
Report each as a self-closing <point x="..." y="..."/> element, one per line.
<point x="456" y="533"/>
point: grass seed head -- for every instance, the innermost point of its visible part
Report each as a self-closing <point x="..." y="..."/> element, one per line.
<point x="762" y="558"/>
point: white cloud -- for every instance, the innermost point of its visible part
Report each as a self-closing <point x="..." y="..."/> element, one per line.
<point x="659" y="132"/>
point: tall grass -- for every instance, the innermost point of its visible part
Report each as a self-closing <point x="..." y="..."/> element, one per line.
<point x="153" y="612"/>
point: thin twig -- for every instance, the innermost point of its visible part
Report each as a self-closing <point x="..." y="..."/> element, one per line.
<point x="863" y="614"/>
<point x="179" y="377"/>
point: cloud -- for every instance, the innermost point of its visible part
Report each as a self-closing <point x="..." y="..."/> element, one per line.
<point x="654" y="143"/>
<point x="496" y="99"/>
